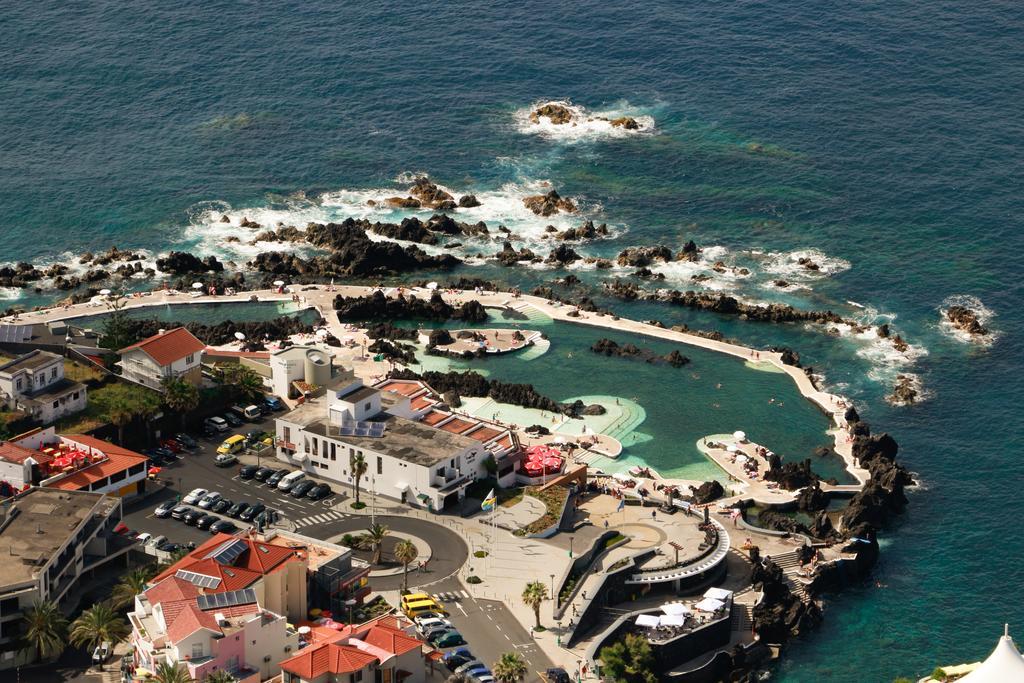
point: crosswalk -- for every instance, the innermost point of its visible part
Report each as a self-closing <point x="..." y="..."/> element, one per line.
<point x="452" y="596"/>
<point x="322" y="518"/>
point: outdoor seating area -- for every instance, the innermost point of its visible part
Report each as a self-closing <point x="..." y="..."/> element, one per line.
<point x="679" y="618"/>
<point x="65" y="458"/>
<point x="543" y="460"/>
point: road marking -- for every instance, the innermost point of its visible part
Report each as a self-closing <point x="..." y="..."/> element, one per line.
<point x="462" y="609"/>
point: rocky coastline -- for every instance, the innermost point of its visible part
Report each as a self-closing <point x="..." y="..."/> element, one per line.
<point x="609" y="348"/>
<point x="378" y="308"/>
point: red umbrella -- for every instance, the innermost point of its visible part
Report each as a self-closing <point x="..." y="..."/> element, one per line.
<point x="154" y="471"/>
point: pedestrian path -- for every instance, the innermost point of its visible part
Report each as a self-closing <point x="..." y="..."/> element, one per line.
<point x="321" y="518"/>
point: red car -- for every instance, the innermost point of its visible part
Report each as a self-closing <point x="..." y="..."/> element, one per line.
<point x="171" y="445"/>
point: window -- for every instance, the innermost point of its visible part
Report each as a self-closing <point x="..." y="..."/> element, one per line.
<point x="8" y="606"/>
<point x="55" y="404"/>
<point x="190" y="358"/>
<point x="53" y="373"/>
<point x="367" y="406"/>
<point x="287" y="432"/>
<point x="440" y="471"/>
<point x="18" y="384"/>
<point x="197" y="650"/>
<point x="380" y="465"/>
<point x="316" y="446"/>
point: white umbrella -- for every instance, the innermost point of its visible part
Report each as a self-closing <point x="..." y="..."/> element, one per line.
<point x="304" y="630"/>
<point x="431" y="285"/>
<point x="740" y="459"/>
<point x="675" y="608"/>
<point x="672" y="620"/>
<point x="718" y="594"/>
<point x="709" y="605"/>
<point x="322" y="332"/>
<point x="648" y="620"/>
<point x="732" y="448"/>
<point x="239" y="336"/>
<point x="105" y="292"/>
<point x="739" y="436"/>
<point x="622" y="476"/>
<point x="197" y="285"/>
<point x="279" y="283"/>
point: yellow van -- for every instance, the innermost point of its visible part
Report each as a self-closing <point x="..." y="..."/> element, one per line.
<point x="232" y="444"/>
<point x="414" y="597"/>
<point x="428" y="606"/>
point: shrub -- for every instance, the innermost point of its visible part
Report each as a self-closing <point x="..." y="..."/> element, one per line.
<point x="474" y="579"/>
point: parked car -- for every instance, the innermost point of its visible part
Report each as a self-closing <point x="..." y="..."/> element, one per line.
<point x="557" y="675"/>
<point x="232" y="419"/>
<point x="217" y="423"/>
<point x="194" y="496"/>
<point x="274" y="403"/>
<point x="430" y="632"/>
<point x="179" y="511"/>
<point x="224" y="526"/>
<point x="209" y="499"/>
<point x="449" y="638"/>
<point x="469" y="667"/>
<point x="169" y="547"/>
<point x="186" y="440"/>
<point x="289" y="480"/>
<point x="143" y="538"/>
<point x="164" y="509"/>
<point x="274" y="479"/>
<point x="237" y="509"/>
<point x="319" y="492"/>
<point x="247" y="471"/>
<point x="249" y="412"/>
<point x="209" y="431"/>
<point x="483" y="677"/>
<point x="221" y="505"/>
<point x="301" y="488"/>
<point x="268" y="516"/>
<point x="206" y="521"/>
<point x="193" y="516"/>
<point x="232" y="444"/>
<point x="263" y="473"/>
<point x="457" y="658"/>
<point x="250" y="514"/>
<point x="156" y="541"/>
<point x="101" y="653"/>
<point x="424" y="624"/>
<point x="225" y="460"/>
<point x="171" y="445"/>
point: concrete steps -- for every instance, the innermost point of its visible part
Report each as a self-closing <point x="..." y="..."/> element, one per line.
<point x="742" y="618"/>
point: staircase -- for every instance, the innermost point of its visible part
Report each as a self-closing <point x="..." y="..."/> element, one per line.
<point x="742" y="617"/>
<point x="790" y="564"/>
<point x="537" y="349"/>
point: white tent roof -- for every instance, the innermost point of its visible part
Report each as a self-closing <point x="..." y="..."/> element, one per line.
<point x="648" y="620"/>
<point x="717" y="594"/>
<point x="675" y="608"/>
<point x="1004" y="664"/>
<point x="709" y="605"/>
<point x="672" y="620"/>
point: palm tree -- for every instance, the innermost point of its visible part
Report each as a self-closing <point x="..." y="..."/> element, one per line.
<point x="629" y="660"/>
<point x="96" y="625"/>
<point x="373" y="540"/>
<point x="221" y="676"/>
<point x="180" y="396"/>
<point x="534" y="596"/>
<point x="120" y="413"/>
<point x="406" y="553"/>
<point x="46" y="629"/>
<point x="166" y="672"/>
<point x="510" y="668"/>
<point x="244" y="382"/>
<point x="359" y="468"/>
<point x="130" y="585"/>
<point x="149" y="407"/>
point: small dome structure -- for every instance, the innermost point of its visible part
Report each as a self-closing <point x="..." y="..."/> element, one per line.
<point x="1005" y="664"/>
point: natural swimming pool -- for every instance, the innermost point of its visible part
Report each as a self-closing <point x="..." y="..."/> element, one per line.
<point x="208" y="313"/>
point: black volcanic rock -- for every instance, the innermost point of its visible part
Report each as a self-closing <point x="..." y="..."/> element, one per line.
<point x="707" y="492"/>
<point x="184" y="263"/>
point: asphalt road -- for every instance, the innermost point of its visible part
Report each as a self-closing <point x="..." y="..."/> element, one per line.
<point x="488" y="625"/>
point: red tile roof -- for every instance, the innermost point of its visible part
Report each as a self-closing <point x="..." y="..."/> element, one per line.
<point x="435" y="416"/>
<point x="183" y="622"/>
<point x="483" y="434"/>
<point x="170" y="589"/>
<point x="257" y="560"/>
<point x="118" y="460"/>
<point x="421" y="402"/>
<point x="391" y="640"/>
<point x="12" y="452"/>
<point x="168" y="347"/>
<point x="328" y="658"/>
<point x="404" y="387"/>
<point x="457" y="426"/>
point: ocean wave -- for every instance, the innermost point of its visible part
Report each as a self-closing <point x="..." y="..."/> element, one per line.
<point x="981" y="312"/>
<point x="582" y="124"/>
<point x="802" y="263"/>
<point x="10" y="293"/>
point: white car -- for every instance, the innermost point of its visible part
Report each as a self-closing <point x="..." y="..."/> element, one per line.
<point x="143" y="538"/>
<point x="429" y="623"/>
<point x="209" y="499"/>
<point x="194" y="496"/>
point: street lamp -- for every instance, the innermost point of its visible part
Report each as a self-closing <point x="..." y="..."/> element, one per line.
<point x="552" y="586"/>
<point x="350" y="603"/>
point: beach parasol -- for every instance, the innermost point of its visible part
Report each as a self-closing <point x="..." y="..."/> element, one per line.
<point x="739" y="436"/>
<point x="197" y="285"/>
<point x="153" y="471"/>
<point x="709" y="605"/>
<point x="718" y="593"/>
<point x="279" y="283"/>
<point x="732" y="448"/>
<point x="240" y="336"/>
<point x="431" y="285"/>
<point x="648" y="620"/>
<point x="675" y="608"/>
<point x="105" y="292"/>
<point x="304" y="630"/>
<point x="672" y="620"/>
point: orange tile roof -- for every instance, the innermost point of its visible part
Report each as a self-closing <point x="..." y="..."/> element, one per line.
<point x="259" y="559"/>
<point x="12" y="452"/>
<point x="391" y="640"/>
<point x="328" y="658"/>
<point x="187" y="620"/>
<point x="405" y="388"/>
<point x="118" y="460"/>
<point x="170" y="589"/>
<point x="226" y="353"/>
<point x="505" y="441"/>
<point x="483" y="434"/>
<point x="168" y="347"/>
<point x="435" y="416"/>
<point x="420" y="402"/>
<point x="457" y="426"/>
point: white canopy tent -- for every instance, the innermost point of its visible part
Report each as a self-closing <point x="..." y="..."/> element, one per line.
<point x="648" y="620"/>
<point x="718" y="594"/>
<point x="675" y="608"/>
<point x="731" y="448"/>
<point x="739" y="436"/>
<point x="672" y="620"/>
<point x="709" y="605"/>
<point x="1004" y="664"/>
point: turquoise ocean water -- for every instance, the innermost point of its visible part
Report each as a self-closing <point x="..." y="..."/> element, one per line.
<point x="880" y="139"/>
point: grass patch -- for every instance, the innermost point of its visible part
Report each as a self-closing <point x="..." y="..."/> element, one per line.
<point x="553" y="499"/>
<point x="358" y="506"/>
<point x="480" y="553"/>
<point x="613" y="540"/>
<point x="100" y="401"/>
<point x="474" y="579"/>
<point x="77" y="372"/>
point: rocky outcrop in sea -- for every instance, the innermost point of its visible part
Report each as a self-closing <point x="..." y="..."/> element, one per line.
<point x="608" y="347"/>
<point x="378" y="308"/>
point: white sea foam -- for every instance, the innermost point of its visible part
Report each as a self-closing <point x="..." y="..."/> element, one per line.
<point x="973" y="304"/>
<point x="788" y="263"/>
<point x="10" y="293"/>
<point x="584" y="125"/>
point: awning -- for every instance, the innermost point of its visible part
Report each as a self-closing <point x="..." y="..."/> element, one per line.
<point x="709" y="605"/>
<point x="424" y="497"/>
<point x="648" y="620"/>
<point x="675" y="608"/>
<point x="672" y="620"/>
<point x="402" y="486"/>
<point x="718" y="594"/>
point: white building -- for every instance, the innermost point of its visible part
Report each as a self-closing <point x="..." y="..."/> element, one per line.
<point x="50" y="540"/>
<point x="309" y="364"/>
<point x="35" y="383"/>
<point x="414" y="451"/>
<point x="169" y="353"/>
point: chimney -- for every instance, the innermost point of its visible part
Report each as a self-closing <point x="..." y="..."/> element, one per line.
<point x="161" y="331"/>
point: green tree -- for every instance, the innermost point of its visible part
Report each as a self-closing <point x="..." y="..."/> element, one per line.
<point x="359" y="467"/>
<point x="406" y="553"/>
<point x="130" y="585"/>
<point x="171" y="673"/>
<point x="243" y="383"/>
<point x="629" y="660"/>
<point x="534" y="596"/>
<point x="180" y="396"/>
<point x="221" y="676"/>
<point x="96" y="625"/>
<point x="117" y="331"/>
<point x="120" y="413"/>
<point x="373" y="540"/>
<point x="46" y="629"/>
<point x="510" y="668"/>
<point x="149" y="406"/>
